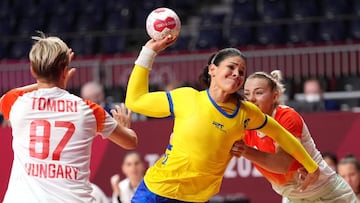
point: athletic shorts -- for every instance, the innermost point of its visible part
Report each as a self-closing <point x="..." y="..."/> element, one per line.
<point x="144" y="195"/>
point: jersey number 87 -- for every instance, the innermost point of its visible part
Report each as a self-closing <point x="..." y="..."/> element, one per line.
<point x="44" y="138"/>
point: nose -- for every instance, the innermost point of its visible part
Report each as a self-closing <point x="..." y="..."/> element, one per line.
<point x="250" y="97"/>
<point x="235" y="73"/>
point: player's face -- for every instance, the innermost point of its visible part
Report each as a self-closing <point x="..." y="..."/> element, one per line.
<point x="258" y="91"/>
<point x="133" y="167"/>
<point x="350" y="174"/>
<point x="229" y="75"/>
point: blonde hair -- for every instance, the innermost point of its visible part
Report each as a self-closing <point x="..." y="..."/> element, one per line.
<point x="48" y="57"/>
<point x="274" y="80"/>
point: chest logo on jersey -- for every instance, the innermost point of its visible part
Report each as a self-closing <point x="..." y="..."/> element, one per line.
<point x="246" y="121"/>
<point x="218" y="125"/>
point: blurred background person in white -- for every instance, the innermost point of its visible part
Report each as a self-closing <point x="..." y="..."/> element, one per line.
<point x="133" y="168"/>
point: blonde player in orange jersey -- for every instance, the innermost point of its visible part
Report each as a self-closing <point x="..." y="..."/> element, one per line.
<point x="53" y="130"/>
<point x="281" y="170"/>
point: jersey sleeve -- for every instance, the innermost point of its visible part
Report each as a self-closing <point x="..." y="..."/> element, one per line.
<point x="105" y="124"/>
<point x="291" y="121"/>
<point x="254" y="117"/>
<point x="140" y="100"/>
<point x="7" y="101"/>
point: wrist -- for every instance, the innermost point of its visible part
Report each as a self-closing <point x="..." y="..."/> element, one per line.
<point x="146" y="57"/>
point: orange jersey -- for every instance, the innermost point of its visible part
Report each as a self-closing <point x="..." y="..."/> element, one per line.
<point x="287" y="184"/>
<point x="291" y="121"/>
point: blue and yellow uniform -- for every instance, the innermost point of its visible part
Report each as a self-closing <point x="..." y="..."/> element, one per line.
<point x="204" y="132"/>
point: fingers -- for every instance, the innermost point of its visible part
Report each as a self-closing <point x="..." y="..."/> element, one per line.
<point x="115" y="179"/>
<point x="161" y="44"/>
<point x="238" y="148"/>
<point x="122" y="115"/>
<point x="239" y="143"/>
<point x="302" y="173"/>
<point x="307" y="181"/>
<point x="310" y="178"/>
<point x="236" y="154"/>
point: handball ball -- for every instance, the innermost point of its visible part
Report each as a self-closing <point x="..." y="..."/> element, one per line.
<point x="162" y="22"/>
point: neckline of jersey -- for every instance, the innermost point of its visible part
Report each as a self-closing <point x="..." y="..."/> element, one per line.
<point x="220" y="109"/>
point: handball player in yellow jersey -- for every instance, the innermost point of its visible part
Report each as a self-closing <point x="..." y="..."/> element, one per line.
<point x="206" y="124"/>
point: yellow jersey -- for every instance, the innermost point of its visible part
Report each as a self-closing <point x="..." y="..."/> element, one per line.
<point x="204" y="131"/>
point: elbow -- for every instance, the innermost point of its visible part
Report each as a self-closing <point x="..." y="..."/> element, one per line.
<point x="130" y="104"/>
<point x="133" y="144"/>
<point x="133" y="106"/>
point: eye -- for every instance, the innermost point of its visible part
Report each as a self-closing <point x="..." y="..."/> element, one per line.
<point x="231" y="67"/>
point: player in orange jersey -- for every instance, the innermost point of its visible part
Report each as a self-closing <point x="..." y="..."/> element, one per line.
<point x="281" y="170"/>
<point x="53" y="130"/>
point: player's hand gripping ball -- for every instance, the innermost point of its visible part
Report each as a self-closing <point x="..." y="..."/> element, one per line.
<point x="162" y="22"/>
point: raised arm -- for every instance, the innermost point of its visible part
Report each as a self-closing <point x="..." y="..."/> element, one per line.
<point x="138" y="98"/>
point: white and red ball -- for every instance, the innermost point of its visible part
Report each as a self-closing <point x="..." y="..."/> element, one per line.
<point x="162" y="22"/>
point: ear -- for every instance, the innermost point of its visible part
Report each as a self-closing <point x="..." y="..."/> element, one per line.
<point x="32" y="72"/>
<point x="212" y="68"/>
<point x="276" y="96"/>
<point x="64" y="73"/>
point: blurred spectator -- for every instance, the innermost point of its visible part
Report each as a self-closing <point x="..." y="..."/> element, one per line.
<point x="134" y="169"/>
<point x="171" y="85"/>
<point x="99" y="195"/>
<point x="313" y="98"/>
<point x="349" y="169"/>
<point x="94" y="91"/>
<point x="331" y="159"/>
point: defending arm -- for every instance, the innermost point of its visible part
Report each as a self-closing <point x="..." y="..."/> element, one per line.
<point x="289" y="144"/>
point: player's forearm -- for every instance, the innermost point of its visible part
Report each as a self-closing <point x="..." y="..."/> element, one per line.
<point x="273" y="162"/>
<point x="289" y="144"/>
<point x="138" y="99"/>
<point x="124" y="137"/>
<point x="138" y="84"/>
